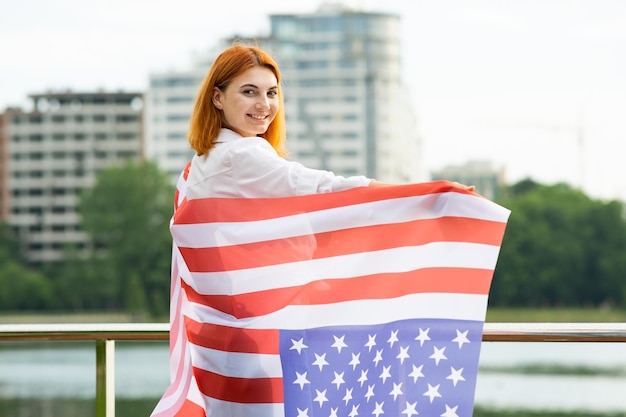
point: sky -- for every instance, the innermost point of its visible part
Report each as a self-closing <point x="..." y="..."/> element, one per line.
<point x="535" y="87"/>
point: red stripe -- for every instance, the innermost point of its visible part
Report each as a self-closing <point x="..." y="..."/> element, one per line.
<point x="342" y="242"/>
<point x="372" y="287"/>
<point x="229" y="339"/>
<point x="209" y="210"/>
<point x="240" y="390"/>
<point x="190" y="409"/>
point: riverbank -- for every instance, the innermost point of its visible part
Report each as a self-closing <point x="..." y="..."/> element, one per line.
<point x="494" y="315"/>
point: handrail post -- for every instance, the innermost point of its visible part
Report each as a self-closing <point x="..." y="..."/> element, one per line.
<point x="105" y="378"/>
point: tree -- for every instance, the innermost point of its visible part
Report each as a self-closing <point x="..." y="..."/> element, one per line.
<point x="127" y="214"/>
<point x="22" y="288"/>
<point x="560" y="248"/>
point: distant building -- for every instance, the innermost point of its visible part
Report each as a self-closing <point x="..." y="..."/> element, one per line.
<point x="50" y="154"/>
<point x="482" y="174"/>
<point x="346" y="107"/>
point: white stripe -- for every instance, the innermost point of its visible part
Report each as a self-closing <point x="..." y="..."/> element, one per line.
<point x="438" y="254"/>
<point x="236" y="364"/>
<point x="360" y="312"/>
<point x="218" y="408"/>
<point x="398" y="210"/>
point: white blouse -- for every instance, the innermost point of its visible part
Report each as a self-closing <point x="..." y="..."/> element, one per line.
<point x="250" y="167"/>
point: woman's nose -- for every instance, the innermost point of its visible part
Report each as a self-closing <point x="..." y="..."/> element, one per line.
<point x="263" y="103"/>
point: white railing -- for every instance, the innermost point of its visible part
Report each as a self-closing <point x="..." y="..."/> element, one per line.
<point x="105" y="336"/>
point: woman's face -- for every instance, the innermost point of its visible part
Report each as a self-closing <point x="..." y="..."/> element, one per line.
<point x="249" y="102"/>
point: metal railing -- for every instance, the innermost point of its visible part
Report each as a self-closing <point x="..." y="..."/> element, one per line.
<point x="105" y="336"/>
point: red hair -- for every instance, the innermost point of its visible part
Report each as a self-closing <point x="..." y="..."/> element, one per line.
<point x="207" y="121"/>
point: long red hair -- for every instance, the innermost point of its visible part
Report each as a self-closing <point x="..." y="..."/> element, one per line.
<point x="207" y="121"/>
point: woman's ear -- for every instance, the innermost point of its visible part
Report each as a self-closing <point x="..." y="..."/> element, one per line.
<point x="217" y="98"/>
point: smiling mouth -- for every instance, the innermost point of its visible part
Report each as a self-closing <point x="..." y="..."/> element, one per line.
<point x="258" y="117"/>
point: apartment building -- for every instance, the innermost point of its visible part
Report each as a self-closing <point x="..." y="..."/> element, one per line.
<point x="347" y="107"/>
<point x="50" y="154"/>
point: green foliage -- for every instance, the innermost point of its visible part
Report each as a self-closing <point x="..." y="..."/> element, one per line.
<point x="126" y="214"/>
<point x="22" y="288"/>
<point x="560" y="248"/>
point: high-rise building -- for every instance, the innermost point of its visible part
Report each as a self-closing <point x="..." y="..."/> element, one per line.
<point x="50" y="154"/>
<point x="346" y="106"/>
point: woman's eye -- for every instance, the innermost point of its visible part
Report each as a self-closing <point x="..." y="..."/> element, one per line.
<point x="272" y="93"/>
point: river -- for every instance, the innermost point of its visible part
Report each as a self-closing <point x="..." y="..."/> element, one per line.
<point x="60" y="369"/>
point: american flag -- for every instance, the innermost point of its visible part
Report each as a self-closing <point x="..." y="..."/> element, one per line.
<point x="363" y="302"/>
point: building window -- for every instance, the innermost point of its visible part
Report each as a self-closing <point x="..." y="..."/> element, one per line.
<point x="99" y="118"/>
<point x="125" y="118"/>
<point x="58" y="119"/>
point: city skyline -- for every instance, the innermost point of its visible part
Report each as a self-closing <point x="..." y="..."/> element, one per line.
<point x="536" y="87"/>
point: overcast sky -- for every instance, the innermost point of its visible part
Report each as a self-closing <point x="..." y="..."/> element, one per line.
<point x="538" y="87"/>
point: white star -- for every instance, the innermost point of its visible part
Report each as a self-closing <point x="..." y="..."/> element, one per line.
<point x="355" y="411"/>
<point x="410" y="409"/>
<point x="348" y="396"/>
<point x="438" y="355"/>
<point x="371" y="342"/>
<point x="338" y="379"/>
<point x="397" y="390"/>
<point x="303" y="413"/>
<point x="461" y="338"/>
<point x="416" y="373"/>
<point x="378" y="357"/>
<point x="385" y="374"/>
<point x="404" y="354"/>
<point x="423" y="336"/>
<point x="363" y="376"/>
<point x="379" y="409"/>
<point x="455" y="375"/>
<point x="450" y="412"/>
<point x="301" y="380"/>
<point x="333" y="412"/>
<point x="370" y="392"/>
<point x="432" y="392"/>
<point x="393" y="338"/>
<point x="321" y="397"/>
<point x="355" y="360"/>
<point x="298" y="345"/>
<point x="339" y="343"/>
<point x="320" y="361"/>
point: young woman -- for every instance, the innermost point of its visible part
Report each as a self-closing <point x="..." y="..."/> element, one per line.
<point x="238" y="132"/>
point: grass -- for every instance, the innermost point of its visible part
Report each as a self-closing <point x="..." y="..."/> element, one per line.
<point x="555" y="315"/>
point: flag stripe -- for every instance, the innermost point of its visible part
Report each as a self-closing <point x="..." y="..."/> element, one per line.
<point x="215" y="210"/>
<point x="241" y="390"/>
<point x="379" y="286"/>
<point x="232" y="339"/>
<point x="214" y="234"/>
<point x="340" y="242"/>
<point x="221" y="408"/>
<point x="357" y="312"/>
<point x="434" y="255"/>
